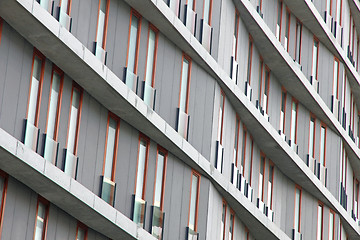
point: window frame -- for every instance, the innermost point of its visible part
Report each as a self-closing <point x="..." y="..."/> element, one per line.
<point x="332" y="212"/>
<point x="337" y="77"/>
<point x="186" y="57"/>
<point x="194" y="172"/>
<point x="283" y="91"/>
<point x="250" y="53"/>
<point x="356" y="187"/>
<point x="222" y="106"/>
<point x="224" y="206"/>
<point x="194" y="4"/>
<point x="38" y="54"/>
<point x="163" y="181"/>
<point x="116" y="144"/>
<point x="267" y="89"/>
<point x="271" y="171"/>
<point x="293" y="100"/>
<point x="232" y="223"/>
<point x="68" y="10"/>
<point x="281" y="10"/>
<point x="147" y="140"/>
<point x="236" y="28"/>
<point x="133" y="12"/>
<point x="46" y="203"/>
<point x="5" y="176"/>
<point x="243" y="149"/>
<point x="251" y="160"/>
<point x="322" y="220"/>
<point x="156" y="31"/>
<point x="237" y="133"/>
<point x="80" y="225"/>
<point x="288" y="17"/>
<point x="297" y="187"/>
<point x="298" y="23"/>
<point x="55" y="69"/>
<point x="78" y="120"/>
<point x="103" y="46"/>
<point x="312" y="116"/>
<point x="210" y="11"/>
<point x="262" y="157"/>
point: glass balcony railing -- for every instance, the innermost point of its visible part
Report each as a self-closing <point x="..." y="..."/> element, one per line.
<point x="139" y="211"/>
<point x="100" y="53"/>
<point x="219" y="157"/>
<point x="148" y="94"/>
<point x="51" y="148"/>
<point x="157" y="222"/>
<point x="108" y="188"/>
<point x="31" y="135"/>
<point x="182" y="126"/>
<point x="206" y="35"/>
<point x="191" y="234"/>
<point x="64" y="19"/>
<point x="131" y="80"/>
<point x="70" y="164"/>
<point x="190" y="19"/>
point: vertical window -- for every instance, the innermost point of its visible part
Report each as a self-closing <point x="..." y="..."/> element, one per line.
<point x="160" y="177"/>
<point x="191" y="4"/>
<point x="248" y="77"/>
<point x="243" y="150"/>
<point x="329" y="6"/>
<point x="194" y="200"/>
<point x="64" y="13"/>
<point x="356" y="198"/>
<point x="261" y="177"/>
<point x="41" y="219"/>
<point x="143" y="155"/>
<point x="315" y="55"/>
<point x="223" y="220"/>
<point x="207" y="11"/>
<point x="336" y="79"/>
<point x="338" y="11"/>
<point x="231" y="225"/>
<point x="332" y="225"/>
<point x="297" y="215"/>
<point x="312" y="136"/>
<point x="102" y="23"/>
<point x="260" y="78"/>
<point x="265" y="103"/>
<point x="249" y="166"/>
<point x="73" y="131"/>
<point x="270" y="186"/>
<point x="298" y="41"/>
<point x="322" y="144"/>
<point x="81" y="231"/>
<point x="110" y="156"/>
<point x="133" y="42"/>
<point x="236" y="142"/>
<point x="319" y="231"/>
<point x="65" y="6"/>
<point x="287" y="30"/>
<point x="151" y="55"/>
<point x="293" y="126"/>
<point x="3" y="191"/>
<point x="221" y="117"/>
<point x="279" y="19"/>
<point x="185" y="84"/>
<point x="53" y="115"/>
<point x="236" y="34"/>
<point x="33" y="110"/>
<point x="282" y="111"/>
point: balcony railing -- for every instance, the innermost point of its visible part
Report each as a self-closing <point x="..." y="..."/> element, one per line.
<point x="100" y="53"/>
<point x="343" y="196"/>
<point x="157" y="222"/>
<point x="191" y="234"/>
<point x="314" y="83"/>
<point x="148" y="95"/>
<point x="219" y="157"/>
<point x="234" y="179"/>
<point x="282" y="135"/>
<point x="248" y="90"/>
<point x="259" y="11"/>
<point x="337" y="31"/>
<point x="328" y="20"/>
<point x="294" y="146"/>
<point x="277" y="31"/>
<point x="335" y="106"/>
<point x="131" y="80"/>
<point x="64" y="19"/>
<point x="249" y="192"/>
<point x="350" y="56"/>
<point x="260" y="205"/>
<point x="108" y="189"/>
<point x="182" y="125"/>
<point x="190" y="19"/>
<point x="351" y="134"/>
<point x="30" y="135"/>
<point x="296" y="235"/>
<point x="206" y="35"/>
<point x="321" y="173"/>
<point x="70" y="164"/>
<point x="138" y="210"/>
<point x="47" y="4"/>
<point x="51" y="148"/>
<point x="269" y="213"/>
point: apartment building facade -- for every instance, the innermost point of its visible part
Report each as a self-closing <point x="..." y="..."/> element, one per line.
<point x="179" y="119"/>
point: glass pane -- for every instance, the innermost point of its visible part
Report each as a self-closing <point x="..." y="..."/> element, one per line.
<point x="190" y="4"/>
<point x="157" y="223"/>
<point x="193" y="197"/>
<point x="108" y="191"/>
<point x="141" y="169"/>
<point x="150" y="57"/>
<point x="110" y="148"/>
<point x="298" y="42"/>
<point x="331" y="226"/>
<point x="184" y="83"/>
<point x="293" y="122"/>
<point x="40" y="221"/>
<point x="159" y="179"/>
<point x="44" y="3"/>
<point x="279" y="13"/>
<point x="338" y="11"/>
<point x="311" y="138"/>
<point x="243" y="150"/>
<point x="132" y="43"/>
<point x="34" y="89"/>
<point x="223" y="215"/>
<point x="236" y="139"/>
<point x="50" y="150"/>
<point x="269" y="191"/>
<point x="54" y="97"/>
<point x="70" y="164"/>
<point x="319" y="223"/>
<point x="73" y="121"/>
<point x="220" y="117"/>
<point x="231" y="227"/>
<point x="101" y="24"/>
<point x="80" y="234"/>
<point x="248" y="166"/>
<point x="335" y="83"/>
<point x="297" y="210"/>
<point x="322" y="146"/>
<point x="64" y="5"/>
<point x="249" y="62"/>
<point x="314" y="59"/>
<point x="206" y="11"/>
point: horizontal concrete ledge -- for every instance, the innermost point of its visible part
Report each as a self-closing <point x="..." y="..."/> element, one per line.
<point x="50" y="182"/>
<point x="61" y="47"/>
